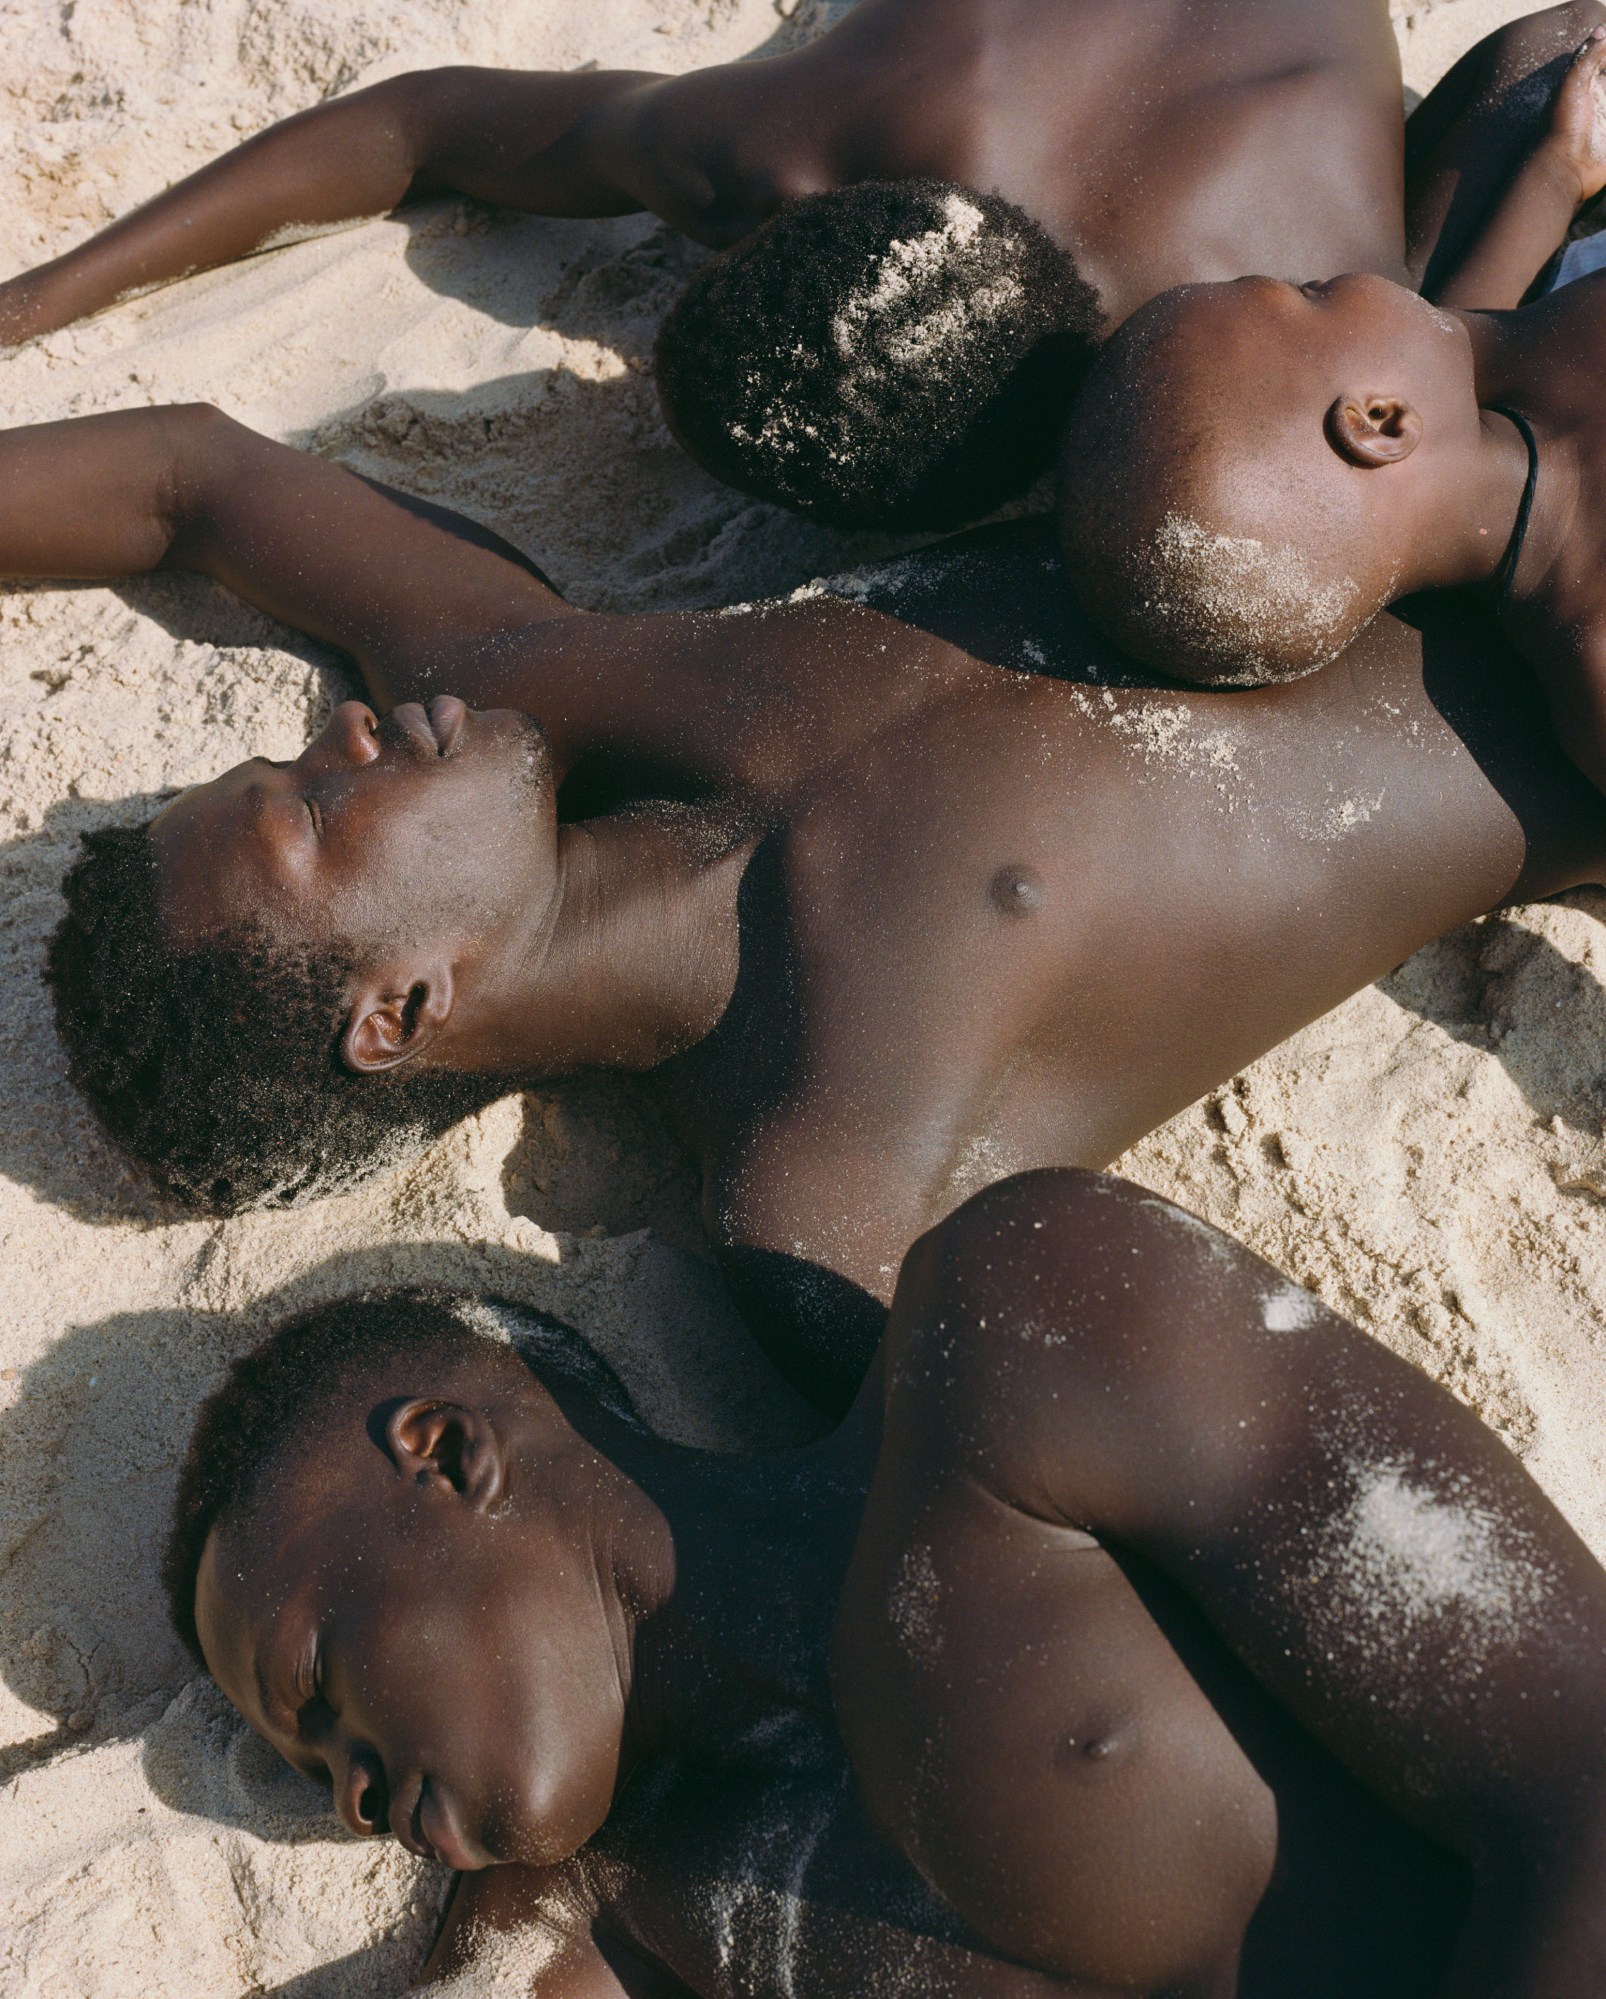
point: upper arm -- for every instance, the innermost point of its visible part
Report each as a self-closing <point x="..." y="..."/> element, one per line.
<point x="1469" y="137"/>
<point x="407" y="588"/>
<point x="714" y="152"/>
<point x="604" y="142"/>
<point x="1369" y="1549"/>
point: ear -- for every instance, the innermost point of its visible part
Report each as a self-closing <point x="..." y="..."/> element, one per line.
<point x="1370" y="431"/>
<point x="394" y="1018"/>
<point x="447" y="1446"/>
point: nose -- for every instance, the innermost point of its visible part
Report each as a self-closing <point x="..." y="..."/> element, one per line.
<point x="362" y="1797"/>
<point x="349" y="734"/>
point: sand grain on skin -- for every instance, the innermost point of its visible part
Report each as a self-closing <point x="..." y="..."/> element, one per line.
<point x="1427" y="1159"/>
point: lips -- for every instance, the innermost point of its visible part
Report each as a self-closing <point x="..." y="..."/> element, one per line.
<point x="433" y="1833"/>
<point x="446" y="718"/>
<point x="431" y="731"/>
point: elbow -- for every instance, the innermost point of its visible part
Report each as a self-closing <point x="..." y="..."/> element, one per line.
<point x="429" y="110"/>
<point x="201" y="444"/>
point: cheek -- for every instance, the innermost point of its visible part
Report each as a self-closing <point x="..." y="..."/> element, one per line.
<point x="549" y="1725"/>
<point x="462" y="856"/>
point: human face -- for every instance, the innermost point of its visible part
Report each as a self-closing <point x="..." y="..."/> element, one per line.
<point x="448" y="1670"/>
<point x="1266" y="355"/>
<point x="430" y="822"/>
<point x="1260" y="466"/>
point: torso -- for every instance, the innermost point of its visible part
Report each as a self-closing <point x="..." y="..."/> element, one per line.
<point x="757" y="1874"/>
<point x="1020" y="922"/>
<point x="1139" y="132"/>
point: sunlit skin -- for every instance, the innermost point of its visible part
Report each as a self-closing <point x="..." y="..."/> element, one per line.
<point x="1143" y="134"/>
<point x="1373" y="439"/>
<point x="1376" y="409"/>
<point x="990" y="1691"/>
<point x="1140" y="133"/>
<point x="901" y="921"/>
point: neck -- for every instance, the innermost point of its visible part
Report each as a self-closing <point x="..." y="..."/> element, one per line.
<point x="761" y="1546"/>
<point x="632" y="961"/>
<point x="1477" y="495"/>
<point x="1514" y="360"/>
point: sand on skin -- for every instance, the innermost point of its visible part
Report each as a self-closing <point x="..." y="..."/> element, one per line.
<point x="1428" y="1158"/>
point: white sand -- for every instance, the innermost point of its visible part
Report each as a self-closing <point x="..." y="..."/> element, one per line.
<point x="1427" y="1159"/>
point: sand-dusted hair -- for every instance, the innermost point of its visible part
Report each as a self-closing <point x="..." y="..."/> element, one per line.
<point x="894" y="355"/>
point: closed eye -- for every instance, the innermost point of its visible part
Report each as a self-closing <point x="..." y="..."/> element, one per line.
<point x="311" y="1706"/>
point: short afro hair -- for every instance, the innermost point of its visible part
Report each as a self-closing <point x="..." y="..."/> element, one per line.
<point x="272" y="1390"/>
<point x="896" y="355"/>
<point x="219" y="1068"/>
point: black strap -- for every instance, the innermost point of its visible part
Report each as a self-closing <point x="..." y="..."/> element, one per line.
<point x="1504" y="576"/>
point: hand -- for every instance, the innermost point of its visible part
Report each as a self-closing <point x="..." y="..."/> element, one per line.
<point x="1576" y="141"/>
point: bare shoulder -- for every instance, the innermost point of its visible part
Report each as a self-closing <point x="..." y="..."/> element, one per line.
<point x="1062" y="1309"/>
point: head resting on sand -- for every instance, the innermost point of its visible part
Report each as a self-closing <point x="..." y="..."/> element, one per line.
<point x="1250" y="469"/>
<point x="402" y="1561"/>
<point x="270" y="990"/>
<point x="895" y="355"/>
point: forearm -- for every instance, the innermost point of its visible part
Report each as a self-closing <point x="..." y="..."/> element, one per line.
<point x="1527" y="227"/>
<point x="483" y="131"/>
<point x="302" y="539"/>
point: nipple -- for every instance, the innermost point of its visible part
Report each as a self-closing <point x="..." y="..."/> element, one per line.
<point x="1016" y="889"/>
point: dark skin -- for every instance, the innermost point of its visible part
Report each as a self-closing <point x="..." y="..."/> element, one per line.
<point x="1380" y="449"/>
<point x="1415" y="454"/>
<point x="1142" y="134"/>
<point x="908" y="921"/>
<point x="1144" y="1629"/>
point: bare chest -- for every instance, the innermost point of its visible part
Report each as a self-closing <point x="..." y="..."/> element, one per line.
<point x="769" y="1883"/>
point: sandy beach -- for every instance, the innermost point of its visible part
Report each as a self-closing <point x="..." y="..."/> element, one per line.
<point x="1428" y="1158"/>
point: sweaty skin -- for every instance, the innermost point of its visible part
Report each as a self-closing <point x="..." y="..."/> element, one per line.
<point x="904" y="920"/>
<point x="1145" y="1629"/>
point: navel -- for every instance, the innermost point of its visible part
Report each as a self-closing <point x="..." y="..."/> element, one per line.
<point x="1016" y="889"/>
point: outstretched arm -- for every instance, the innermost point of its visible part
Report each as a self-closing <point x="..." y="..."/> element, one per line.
<point x="1384" y="1566"/>
<point x="1503" y="154"/>
<point x="404" y="587"/>
<point x="600" y="142"/>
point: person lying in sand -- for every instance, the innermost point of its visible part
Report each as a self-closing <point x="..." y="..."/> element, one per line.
<point x="1288" y="459"/>
<point x="1144" y="1629"/>
<point x="882" y="918"/>
<point x="940" y="205"/>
